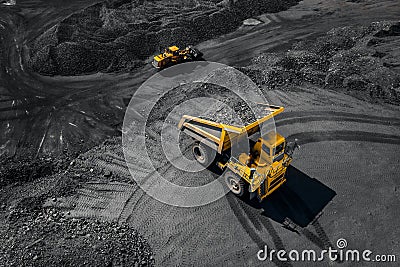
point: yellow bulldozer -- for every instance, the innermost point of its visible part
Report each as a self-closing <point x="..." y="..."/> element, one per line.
<point x="260" y="171"/>
<point x="173" y="55"/>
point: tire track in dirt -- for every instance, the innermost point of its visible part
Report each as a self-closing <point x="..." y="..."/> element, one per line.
<point x="189" y="233"/>
<point x="145" y="224"/>
<point x="361" y="119"/>
<point x="320" y="240"/>
<point x="177" y="234"/>
<point x="245" y="219"/>
<point x="312" y="137"/>
<point x="303" y="115"/>
<point x="197" y="233"/>
<point x="191" y="229"/>
<point x="251" y="220"/>
<point x="159" y="211"/>
<point x="322" y="234"/>
<point x="101" y="200"/>
<point x="185" y="238"/>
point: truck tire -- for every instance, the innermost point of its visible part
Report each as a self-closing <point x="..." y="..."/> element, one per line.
<point x="202" y="154"/>
<point x="235" y="184"/>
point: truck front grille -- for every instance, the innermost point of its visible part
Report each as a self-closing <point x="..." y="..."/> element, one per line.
<point x="277" y="180"/>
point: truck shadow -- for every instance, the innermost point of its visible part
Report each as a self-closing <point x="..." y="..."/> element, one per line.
<point x="300" y="199"/>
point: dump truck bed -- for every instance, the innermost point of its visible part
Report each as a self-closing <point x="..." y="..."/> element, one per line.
<point x="220" y="136"/>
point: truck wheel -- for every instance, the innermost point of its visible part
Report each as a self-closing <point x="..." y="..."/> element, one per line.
<point x="235" y="184"/>
<point x="202" y="154"/>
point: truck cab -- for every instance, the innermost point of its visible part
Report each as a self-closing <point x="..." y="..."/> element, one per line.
<point x="268" y="149"/>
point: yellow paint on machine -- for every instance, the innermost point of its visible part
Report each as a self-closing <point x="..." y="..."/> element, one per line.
<point x="262" y="170"/>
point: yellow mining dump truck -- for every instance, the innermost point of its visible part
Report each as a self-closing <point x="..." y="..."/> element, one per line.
<point x="173" y="55"/>
<point x="261" y="170"/>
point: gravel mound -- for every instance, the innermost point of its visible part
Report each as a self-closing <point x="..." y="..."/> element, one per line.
<point x="32" y="234"/>
<point x="22" y="170"/>
<point x="48" y="238"/>
<point x="118" y="35"/>
<point x="359" y="60"/>
<point x="231" y="108"/>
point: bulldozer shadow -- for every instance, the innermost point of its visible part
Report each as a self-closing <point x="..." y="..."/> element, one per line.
<point x="183" y="68"/>
<point x="300" y="200"/>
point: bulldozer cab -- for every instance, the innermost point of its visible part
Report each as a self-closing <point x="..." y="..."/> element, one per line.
<point x="173" y="55"/>
<point x="172" y="50"/>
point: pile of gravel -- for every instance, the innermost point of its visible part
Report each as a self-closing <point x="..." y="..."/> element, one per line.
<point x="359" y="60"/>
<point x="233" y="110"/>
<point x="48" y="238"/>
<point x="25" y="169"/>
<point x="33" y="235"/>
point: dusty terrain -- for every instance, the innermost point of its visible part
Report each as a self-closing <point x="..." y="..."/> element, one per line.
<point x="55" y="130"/>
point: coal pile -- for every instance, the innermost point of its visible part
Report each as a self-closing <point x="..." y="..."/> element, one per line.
<point x="118" y="35"/>
<point x="231" y="109"/>
<point x="235" y="112"/>
<point x="22" y="170"/>
<point x="359" y="60"/>
<point x="48" y="238"/>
